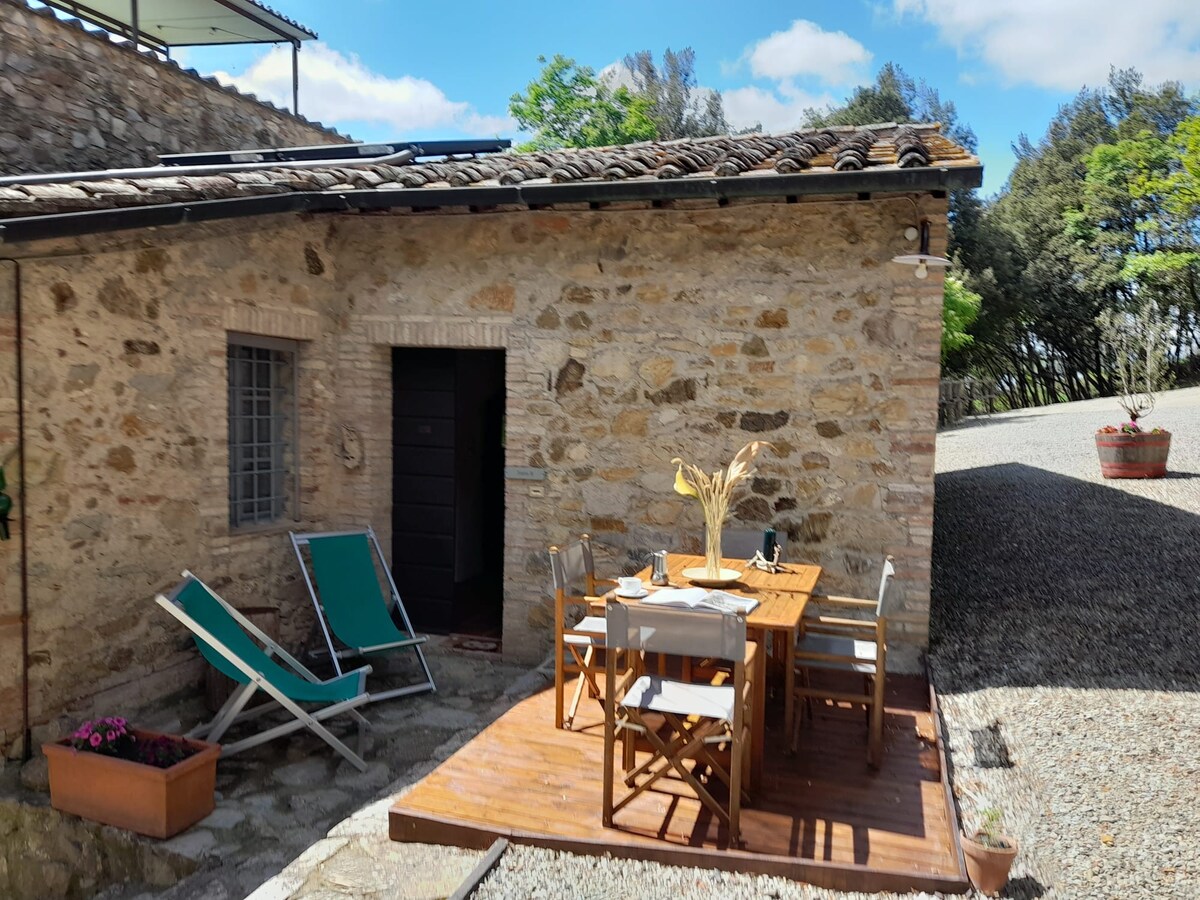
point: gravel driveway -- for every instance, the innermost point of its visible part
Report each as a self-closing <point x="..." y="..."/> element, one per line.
<point x="1066" y="624"/>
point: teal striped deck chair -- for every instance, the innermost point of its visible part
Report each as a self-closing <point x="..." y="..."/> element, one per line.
<point x="226" y="639"/>
<point x="356" y="616"/>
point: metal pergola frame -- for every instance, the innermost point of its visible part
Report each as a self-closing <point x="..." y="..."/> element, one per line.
<point x="132" y="31"/>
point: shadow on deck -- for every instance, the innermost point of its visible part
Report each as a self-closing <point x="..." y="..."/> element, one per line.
<point x="821" y="816"/>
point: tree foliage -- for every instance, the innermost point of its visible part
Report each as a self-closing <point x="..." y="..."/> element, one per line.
<point x="679" y="108"/>
<point x="1098" y="218"/>
<point x="960" y="308"/>
<point x="568" y="106"/>
<point x="894" y="96"/>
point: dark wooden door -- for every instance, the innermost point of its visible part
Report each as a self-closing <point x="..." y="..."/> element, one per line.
<point x="448" y="469"/>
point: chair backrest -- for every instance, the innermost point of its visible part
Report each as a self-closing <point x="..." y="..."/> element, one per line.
<point x="681" y="632"/>
<point x="884" y="604"/>
<point x="349" y="589"/>
<point x="743" y="543"/>
<point x="572" y="566"/>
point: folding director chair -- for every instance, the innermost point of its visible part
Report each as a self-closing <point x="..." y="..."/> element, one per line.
<point x="698" y="717"/>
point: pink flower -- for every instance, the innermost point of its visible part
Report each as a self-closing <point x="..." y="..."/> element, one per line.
<point x="95" y="740"/>
<point x="110" y="736"/>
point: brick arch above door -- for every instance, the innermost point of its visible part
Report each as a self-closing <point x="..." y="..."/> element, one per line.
<point x="446" y="332"/>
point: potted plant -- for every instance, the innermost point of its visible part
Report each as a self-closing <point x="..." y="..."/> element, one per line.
<point x="1138" y="340"/>
<point x="154" y="784"/>
<point x="989" y="853"/>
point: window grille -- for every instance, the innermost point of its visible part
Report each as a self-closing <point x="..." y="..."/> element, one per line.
<point x="262" y="422"/>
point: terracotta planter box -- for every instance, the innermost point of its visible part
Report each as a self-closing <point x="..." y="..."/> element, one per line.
<point x="146" y="799"/>
<point x="1133" y="455"/>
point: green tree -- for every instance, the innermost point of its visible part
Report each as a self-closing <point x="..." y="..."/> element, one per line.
<point x="679" y="108"/>
<point x="960" y="309"/>
<point x="567" y="106"/>
<point x="1093" y="218"/>
<point x="894" y="96"/>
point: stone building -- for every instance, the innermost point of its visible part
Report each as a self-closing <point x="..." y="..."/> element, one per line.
<point x="479" y="356"/>
<point x="72" y="99"/>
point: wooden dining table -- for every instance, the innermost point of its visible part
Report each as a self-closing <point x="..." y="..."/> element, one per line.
<point x="782" y="597"/>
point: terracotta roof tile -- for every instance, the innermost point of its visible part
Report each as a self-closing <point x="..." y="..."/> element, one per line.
<point x="842" y="149"/>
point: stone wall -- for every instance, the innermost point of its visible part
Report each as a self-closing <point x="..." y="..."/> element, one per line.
<point x="632" y="336"/>
<point x="11" y="650"/>
<point x="72" y="100"/>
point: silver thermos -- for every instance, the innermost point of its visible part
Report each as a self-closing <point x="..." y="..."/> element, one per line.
<point x="658" y="574"/>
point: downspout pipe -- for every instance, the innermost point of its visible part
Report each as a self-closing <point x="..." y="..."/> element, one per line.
<point x="358" y="162"/>
<point x="22" y="506"/>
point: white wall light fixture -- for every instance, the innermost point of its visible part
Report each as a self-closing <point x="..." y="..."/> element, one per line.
<point x="921" y="259"/>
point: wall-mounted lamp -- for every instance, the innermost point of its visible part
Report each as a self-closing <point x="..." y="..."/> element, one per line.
<point x="922" y="259"/>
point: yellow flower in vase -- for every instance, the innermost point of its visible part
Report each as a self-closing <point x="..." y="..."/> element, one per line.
<point x="714" y="493"/>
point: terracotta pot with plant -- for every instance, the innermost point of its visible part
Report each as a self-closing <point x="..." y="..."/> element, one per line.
<point x="151" y="783"/>
<point x="1138" y="340"/>
<point x="989" y="853"/>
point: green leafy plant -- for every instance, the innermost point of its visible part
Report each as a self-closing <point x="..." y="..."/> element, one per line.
<point x="568" y="106"/>
<point x="960" y="309"/>
<point x="990" y="832"/>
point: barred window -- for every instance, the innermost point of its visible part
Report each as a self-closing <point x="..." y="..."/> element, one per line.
<point x="262" y="429"/>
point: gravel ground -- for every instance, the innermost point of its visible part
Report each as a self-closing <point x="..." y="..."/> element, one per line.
<point x="1066" y="610"/>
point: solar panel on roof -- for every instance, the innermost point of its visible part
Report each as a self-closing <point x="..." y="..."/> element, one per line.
<point x="336" y="152"/>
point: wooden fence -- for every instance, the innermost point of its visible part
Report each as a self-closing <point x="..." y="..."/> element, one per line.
<point x="959" y="398"/>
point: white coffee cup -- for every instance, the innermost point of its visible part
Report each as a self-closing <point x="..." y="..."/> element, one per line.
<point x="630" y="585"/>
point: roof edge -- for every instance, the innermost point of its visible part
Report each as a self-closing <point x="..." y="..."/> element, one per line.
<point x="916" y="180"/>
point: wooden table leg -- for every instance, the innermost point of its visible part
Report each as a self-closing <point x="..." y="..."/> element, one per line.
<point x="789" y="680"/>
<point x="758" y="732"/>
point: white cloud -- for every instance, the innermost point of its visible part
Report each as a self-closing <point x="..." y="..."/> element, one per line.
<point x="780" y="110"/>
<point x="806" y="49"/>
<point x="1064" y="44"/>
<point x="335" y="88"/>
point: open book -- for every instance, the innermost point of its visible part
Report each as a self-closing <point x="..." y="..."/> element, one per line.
<point x="702" y="598"/>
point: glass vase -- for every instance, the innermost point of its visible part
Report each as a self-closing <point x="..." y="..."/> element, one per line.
<point x="712" y="549"/>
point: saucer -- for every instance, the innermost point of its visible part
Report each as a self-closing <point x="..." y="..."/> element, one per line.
<point x="632" y="595"/>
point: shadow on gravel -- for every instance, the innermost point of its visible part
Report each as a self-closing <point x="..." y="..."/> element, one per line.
<point x="1023" y="888"/>
<point x="1041" y="579"/>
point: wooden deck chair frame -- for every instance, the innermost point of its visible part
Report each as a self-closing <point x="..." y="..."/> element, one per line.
<point x="393" y="601"/>
<point x="233" y="712"/>
<point x="582" y="644"/>
<point x="845" y="631"/>
<point x="636" y="630"/>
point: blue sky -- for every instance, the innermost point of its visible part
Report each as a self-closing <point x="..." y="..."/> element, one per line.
<point x="385" y="69"/>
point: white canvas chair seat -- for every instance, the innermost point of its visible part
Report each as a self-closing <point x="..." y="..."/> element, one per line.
<point x="662" y="695"/>
<point x="694" y="716"/>
<point x="595" y="628"/>
<point x="861" y="652"/>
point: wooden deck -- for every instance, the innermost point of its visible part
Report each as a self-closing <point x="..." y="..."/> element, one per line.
<point x="821" y="817"/>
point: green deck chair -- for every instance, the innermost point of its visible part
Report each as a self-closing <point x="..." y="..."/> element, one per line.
<point x="350" y="602"/>
<point x="226" y="639"/>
